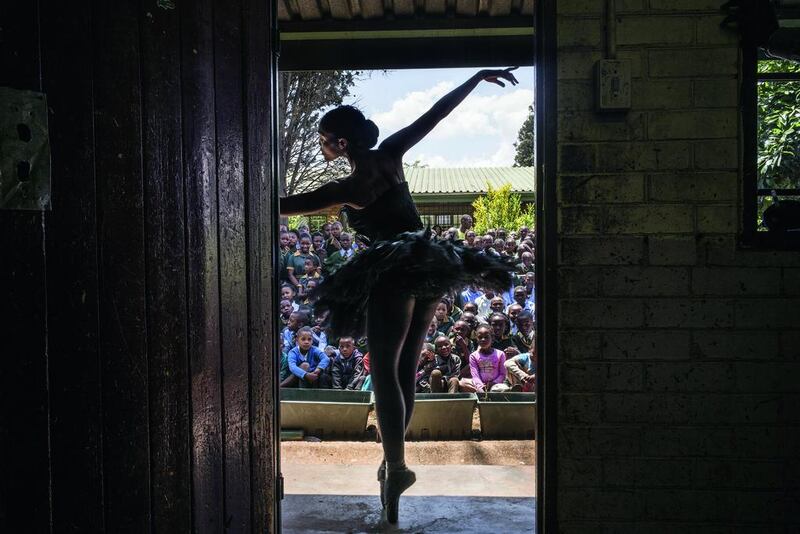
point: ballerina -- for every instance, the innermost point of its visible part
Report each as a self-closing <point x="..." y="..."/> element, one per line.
<point x="391" y="289"/>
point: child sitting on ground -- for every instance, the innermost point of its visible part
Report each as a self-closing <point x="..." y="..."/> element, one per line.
<point x="525" y="338"/>
<point x="433" y="331"/>
<point x="307" y="363"/>
<point x="500" y="330"/>
<point x="348" y="367"/>
<point x="297" y="320"/>
<point x="310" y="272"/>
<point x="521" y="372"/>
<point x="426" y="364"/>
<point x="445" y="322"/>
<point x="367" y="386"/>
<point x="487" y="365"/>
<point x="320" y="337"/>
<point x="447" y="366"/>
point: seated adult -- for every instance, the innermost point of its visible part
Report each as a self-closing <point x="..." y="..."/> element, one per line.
<point x="496" y="305"/>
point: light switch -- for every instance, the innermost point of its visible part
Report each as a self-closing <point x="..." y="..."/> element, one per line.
<point x="613" y="85"/>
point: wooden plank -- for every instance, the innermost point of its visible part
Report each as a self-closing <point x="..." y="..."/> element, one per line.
<point x="24" y="470"/>
<point x="467" y="8"/>
<point x="261" y="71"/>
<point x="340" y="9"/>
<point x="528" y="7"/>
<point x="72" y="274"/>
<point x="123" y="343"/>
<point x="404" y="8"/>
<point x="200" y="179"/>
<point x="165" y="249"/>
<point x="499" y="8"/>
<point x="283" y="10"/>
<point x="228" y="84"/>
<point x="417" y="53"/>
<point x="372" y="9"/>
<point x="435" y="7"/>
<point x="309" y="9"/>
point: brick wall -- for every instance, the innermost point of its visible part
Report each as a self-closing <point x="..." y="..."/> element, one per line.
<point x="679" y="354"/>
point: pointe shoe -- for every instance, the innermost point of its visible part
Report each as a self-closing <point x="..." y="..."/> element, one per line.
<point x="382" y="481"/>
<point x="396" y="483"/>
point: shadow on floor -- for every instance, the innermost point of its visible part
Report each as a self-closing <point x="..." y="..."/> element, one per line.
<point x="453" y="515"/>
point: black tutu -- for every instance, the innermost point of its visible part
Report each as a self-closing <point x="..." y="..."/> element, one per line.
<point x="411" y="264"/>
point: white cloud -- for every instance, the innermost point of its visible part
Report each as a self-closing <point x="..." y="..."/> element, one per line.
<point x="499" y="114"/>
<point x="503" y="156"/>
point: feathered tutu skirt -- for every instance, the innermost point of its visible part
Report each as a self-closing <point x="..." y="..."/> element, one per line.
<point x="411" y="264"/>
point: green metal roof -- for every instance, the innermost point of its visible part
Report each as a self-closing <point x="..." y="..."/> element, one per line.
<point x="470" y="181"/>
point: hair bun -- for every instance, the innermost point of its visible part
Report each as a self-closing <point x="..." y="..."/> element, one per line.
<point x="350" y="123"/>
<point x="370" y="133"/>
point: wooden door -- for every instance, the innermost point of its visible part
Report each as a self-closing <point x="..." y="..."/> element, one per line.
<point x="136" y="364"/>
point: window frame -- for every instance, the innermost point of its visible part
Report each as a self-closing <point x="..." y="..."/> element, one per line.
<point x="750" y="236"/>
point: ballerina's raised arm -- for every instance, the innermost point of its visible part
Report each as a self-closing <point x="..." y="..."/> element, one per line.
<point x="399" y="142"/>
<point x="345" y="191"/>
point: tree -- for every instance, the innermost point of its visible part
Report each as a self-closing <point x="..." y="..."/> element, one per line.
<point x="778" y="131"/>
<point x="778" y="128"/>
<point x="525" y="145"/>
<point x="304" y="96"/>
<point x="500" y="208"/>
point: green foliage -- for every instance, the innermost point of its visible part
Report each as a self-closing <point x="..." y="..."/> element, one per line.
<point x="500" y="208"/>
<point x="297" y="220"/>
<point x="778" y="131"/>
<point x="778" y="128"/>
<point x="524" y="146"/>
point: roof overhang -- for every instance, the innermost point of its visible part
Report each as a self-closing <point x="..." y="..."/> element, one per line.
<point x="461" y="198"/>
<point x="419" y="42"/>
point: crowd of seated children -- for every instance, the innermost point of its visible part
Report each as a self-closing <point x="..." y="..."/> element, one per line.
<point x="478" y="340"/>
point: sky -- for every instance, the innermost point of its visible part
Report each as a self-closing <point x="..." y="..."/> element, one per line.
<point x="479" y="133"/>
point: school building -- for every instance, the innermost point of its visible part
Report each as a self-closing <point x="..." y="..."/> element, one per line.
<point x="442" y="196"/>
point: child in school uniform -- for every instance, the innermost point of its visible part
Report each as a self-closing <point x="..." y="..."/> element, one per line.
<point x="347" y="370"/>
<point x="445" y="321"/>
<point x="447" y="366"/>
<point x="308" y="363"/>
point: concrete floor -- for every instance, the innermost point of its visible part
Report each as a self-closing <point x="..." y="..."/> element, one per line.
<point x="317" y="514"/>
<point x="327" y="496"/>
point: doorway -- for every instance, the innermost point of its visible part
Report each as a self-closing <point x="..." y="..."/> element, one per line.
<point x="298" y="52"/>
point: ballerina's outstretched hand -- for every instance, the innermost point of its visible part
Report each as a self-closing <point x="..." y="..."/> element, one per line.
<point x="495" y="76"/>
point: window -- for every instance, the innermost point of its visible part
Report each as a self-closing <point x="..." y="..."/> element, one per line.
<point x="771" y="95"/>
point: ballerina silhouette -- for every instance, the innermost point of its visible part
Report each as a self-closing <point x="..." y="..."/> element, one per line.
<point x="391" y="289"/>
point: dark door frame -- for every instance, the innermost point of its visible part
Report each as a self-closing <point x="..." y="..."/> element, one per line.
<point x="546" y="265"/>
<point x="543" y="48"/>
